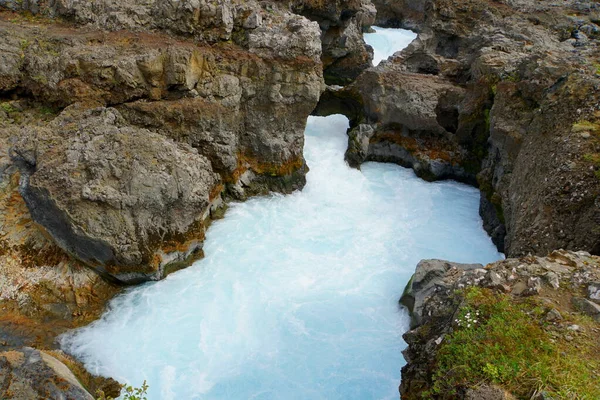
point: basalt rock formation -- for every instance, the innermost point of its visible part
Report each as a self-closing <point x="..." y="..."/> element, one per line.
<point x="342" y="22"/>
<point x="161" y="115"/>
<point x="504" y="95"/>
<point x="465" y="343"/>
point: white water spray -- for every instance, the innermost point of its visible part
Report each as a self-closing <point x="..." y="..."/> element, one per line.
<point x="387" y="41"/>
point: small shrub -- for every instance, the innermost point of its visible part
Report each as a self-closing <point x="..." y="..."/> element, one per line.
<point x="7" y="108"/>
<point x="130" y="393"/>
<point x="503" y="341"/>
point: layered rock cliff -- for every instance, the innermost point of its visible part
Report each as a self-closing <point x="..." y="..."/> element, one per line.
<point x="159" y="118"/>
<point x="125" y="127"/>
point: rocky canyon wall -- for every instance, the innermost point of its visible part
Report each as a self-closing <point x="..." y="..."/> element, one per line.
<point x="502" y="95"/>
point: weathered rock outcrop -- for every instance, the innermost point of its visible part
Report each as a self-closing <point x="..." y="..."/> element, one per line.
<point x="43" y="291"/>
<point x="504" y="93"/>
<point x="453" y="307"/>
<point x="32" y="374"/>
<point x="128" y="124"/>
<point x="342" y="22"/>
<point x="177" y="107"/>
<point x="120" y="199"/>
<point x="345" y="54"/>
<point x="414" y="119"/>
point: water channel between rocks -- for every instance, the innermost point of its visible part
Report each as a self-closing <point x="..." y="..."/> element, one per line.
<point x="297" y="297"/>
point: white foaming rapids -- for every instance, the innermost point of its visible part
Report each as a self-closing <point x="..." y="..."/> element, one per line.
<point x="387" y="41"/>
<point x="297" y="297"/>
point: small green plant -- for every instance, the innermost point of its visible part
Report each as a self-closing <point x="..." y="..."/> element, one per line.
<point x="594" y="159"/>
<point x="25" y="44"/>
<point x="503" y="341"/>
<point x="45" y="110"/>
<point x="134" y="393"/>
<point x="7" y="108"/>
<point x="491" y="371"/>
<point x="130" y="393"/>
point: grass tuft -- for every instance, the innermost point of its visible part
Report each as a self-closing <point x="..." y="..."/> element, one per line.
<point x="512" y="346"/>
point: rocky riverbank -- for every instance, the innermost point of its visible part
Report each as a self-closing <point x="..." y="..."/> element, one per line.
<point x="518" y="328"/>
<point x="126" y="127"/>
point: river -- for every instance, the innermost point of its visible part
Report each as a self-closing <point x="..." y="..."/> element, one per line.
<point x="297" y="297"/>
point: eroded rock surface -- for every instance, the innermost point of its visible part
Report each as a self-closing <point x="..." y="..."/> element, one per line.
<point x="345" y="54"/>
<point x="504" y="95"/>
<point x="32" y="374"/>
<point x="162" y="115"/>
<point x="556" y="290"/>
<point x="112" y="195"/>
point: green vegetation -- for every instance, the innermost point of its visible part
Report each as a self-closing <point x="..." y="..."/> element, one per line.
<point x="512" y="77"/>
<point x="48" y="48"/>
<point x="507" y="343"/>
<point x="40" y="79"/>
<point x="25" y="44"/>
<point x="7" y="108"/>
<point x="131" y="393"/>
<point x="595" y="160"/>
<point x="45" y="110"/>
<point x="586" y="126"/>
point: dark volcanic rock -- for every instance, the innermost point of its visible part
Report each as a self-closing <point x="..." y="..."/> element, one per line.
<point x="345" y="54"/>
<point x="430" y="277"/>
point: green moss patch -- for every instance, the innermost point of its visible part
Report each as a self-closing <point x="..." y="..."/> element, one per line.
<point x="501" y="340"/>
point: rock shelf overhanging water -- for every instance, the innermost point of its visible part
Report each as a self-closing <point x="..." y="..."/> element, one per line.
<point x="297" y="296"/>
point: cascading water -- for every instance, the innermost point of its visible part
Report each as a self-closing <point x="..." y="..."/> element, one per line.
<point x="297" y="297"/>
<point x="387" y="41"/>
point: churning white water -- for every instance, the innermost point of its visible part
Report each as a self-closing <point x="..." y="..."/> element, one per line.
<point x="387" y="41"/>
<point x="297" y="297"/>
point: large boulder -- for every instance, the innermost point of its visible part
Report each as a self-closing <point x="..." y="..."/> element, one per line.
<point x="124" y="200"/>
<point x="430" y="276"/>
<point x="28" y="373"/>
